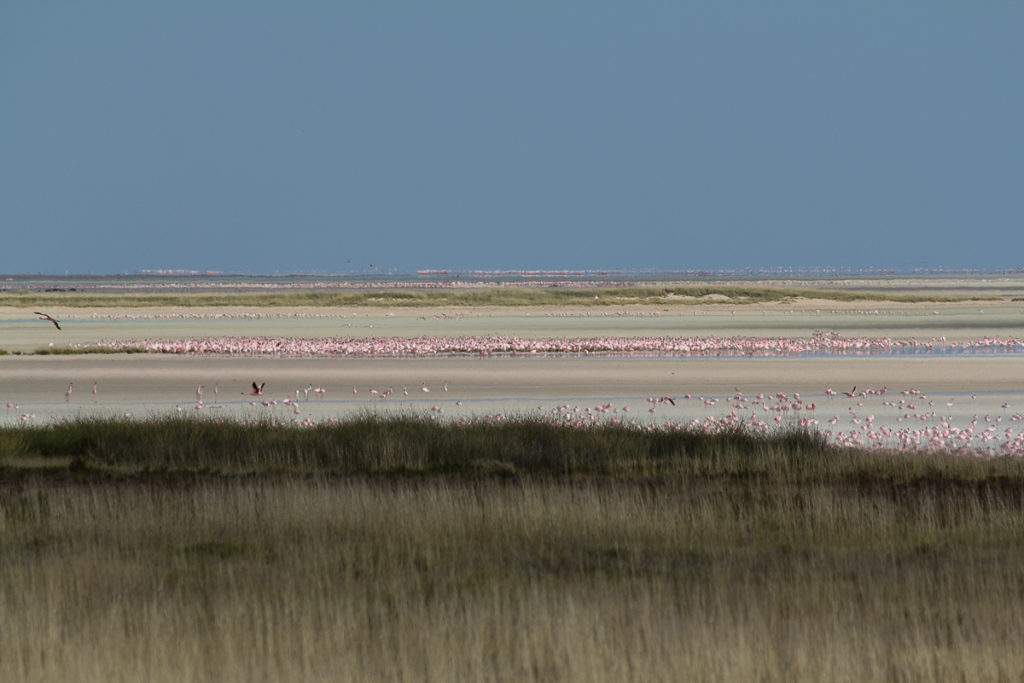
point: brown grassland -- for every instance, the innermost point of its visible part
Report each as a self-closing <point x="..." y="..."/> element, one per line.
<point x="400" y="549"/>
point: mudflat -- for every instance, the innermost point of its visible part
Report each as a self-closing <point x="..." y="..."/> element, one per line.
<point x="154" y="379"/>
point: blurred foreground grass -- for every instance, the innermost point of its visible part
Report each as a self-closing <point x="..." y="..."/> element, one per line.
<point x="402" y="549"/>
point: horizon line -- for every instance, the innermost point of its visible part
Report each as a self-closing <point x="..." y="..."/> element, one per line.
<point x="434" y="273"/>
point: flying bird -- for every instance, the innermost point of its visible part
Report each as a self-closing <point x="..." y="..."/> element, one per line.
<point x="257" y="389"/>
<point x="50" y="318"/>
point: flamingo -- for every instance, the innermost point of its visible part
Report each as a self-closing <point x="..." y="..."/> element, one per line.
<point x="50" y="318"/>
<point x="67" y="394"/>
<point x="257" y="389"/>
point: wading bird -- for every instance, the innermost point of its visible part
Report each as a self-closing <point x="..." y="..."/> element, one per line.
<point x="50" y="318"/>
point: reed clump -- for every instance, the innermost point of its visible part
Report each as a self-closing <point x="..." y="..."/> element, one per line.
<point x="401" y="549"/>
<point x="85" y="350"/>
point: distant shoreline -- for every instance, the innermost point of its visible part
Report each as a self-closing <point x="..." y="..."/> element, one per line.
<point x="644" y="274"/>
<point x="505" y="290"/>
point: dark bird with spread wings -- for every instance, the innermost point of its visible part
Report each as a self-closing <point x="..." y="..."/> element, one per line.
<point x="50" y="318"/>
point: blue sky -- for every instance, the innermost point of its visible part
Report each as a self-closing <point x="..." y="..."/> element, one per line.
<point x="296" y="137"/>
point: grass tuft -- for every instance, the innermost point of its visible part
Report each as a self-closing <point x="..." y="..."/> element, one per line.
<point x="84" y="350"/>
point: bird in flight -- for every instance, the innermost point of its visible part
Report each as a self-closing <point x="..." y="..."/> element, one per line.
<point x="50" y="318"/>
<point x="257" y="389"/>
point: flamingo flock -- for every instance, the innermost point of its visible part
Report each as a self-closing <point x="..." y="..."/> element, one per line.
<point x="872" y="418"/>
<point x="831" y="344"/>
<point x="916" y="431"/>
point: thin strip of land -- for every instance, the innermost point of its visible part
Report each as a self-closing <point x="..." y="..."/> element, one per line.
<point x="459" y="297"/>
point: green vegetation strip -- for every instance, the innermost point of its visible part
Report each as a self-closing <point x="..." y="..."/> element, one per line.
<point x="487" y="296"/>
<point x="83" y="350"/>
<point x="404" y="446"/>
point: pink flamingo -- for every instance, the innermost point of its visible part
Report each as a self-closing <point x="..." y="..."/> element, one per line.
<point x="257" y="390"/>
<point x="67" y="394"/>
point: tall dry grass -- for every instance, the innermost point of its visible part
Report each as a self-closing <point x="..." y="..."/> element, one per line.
<point x="722" y="571"/>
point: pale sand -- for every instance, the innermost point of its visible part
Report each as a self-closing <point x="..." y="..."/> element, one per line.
<point x="145" y="378"/>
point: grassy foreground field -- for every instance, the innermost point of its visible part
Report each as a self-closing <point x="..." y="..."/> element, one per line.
<point x="176" y="550"/>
